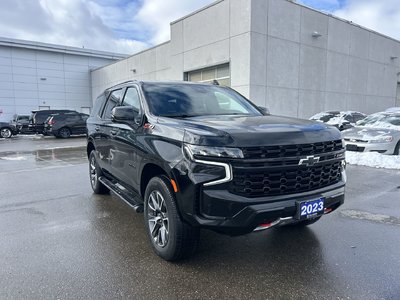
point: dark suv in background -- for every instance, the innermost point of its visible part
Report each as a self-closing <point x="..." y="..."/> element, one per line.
<point x="38" y="118"/>
<point x="197" y="156"/>
<point x="65" y="124"/>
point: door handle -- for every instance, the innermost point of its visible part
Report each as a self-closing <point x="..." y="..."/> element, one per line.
<point x="97" y="128"/>
<point x="113" y="132"/>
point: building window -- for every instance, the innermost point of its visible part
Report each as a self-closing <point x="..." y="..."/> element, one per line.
<point x="220" y="73"/>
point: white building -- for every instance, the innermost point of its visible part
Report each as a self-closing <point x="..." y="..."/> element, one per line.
<point x="42" y="76"/>
<point x="295" y="60"/>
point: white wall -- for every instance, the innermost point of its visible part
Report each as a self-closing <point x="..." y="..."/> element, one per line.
<point x="347" y="68"/>
<point x="30" y="78"/>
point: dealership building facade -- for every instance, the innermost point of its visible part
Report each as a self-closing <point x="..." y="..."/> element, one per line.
<point x="44" y="76"/>
<point x="290" y="58"/>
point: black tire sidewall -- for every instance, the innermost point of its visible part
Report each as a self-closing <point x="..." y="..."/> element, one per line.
<point x="161" y="184"/>
<point x="99" y="188"/>
<point x="397" y="149"/>
<point x="66" y="130"/>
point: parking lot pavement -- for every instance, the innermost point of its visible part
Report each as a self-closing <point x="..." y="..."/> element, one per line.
<point x="58" y="240"/>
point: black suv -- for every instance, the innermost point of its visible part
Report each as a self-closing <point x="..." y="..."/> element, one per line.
<point x="197" y="156"/>
<point x="38" y="117"/>
<point x="64" y="125"/>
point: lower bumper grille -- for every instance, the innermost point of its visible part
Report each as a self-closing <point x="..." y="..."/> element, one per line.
<point x="296" y="179"/>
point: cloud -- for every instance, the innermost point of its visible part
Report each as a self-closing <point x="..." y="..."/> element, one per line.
<point x="156" y="15"/>
<point x="64" y="22"/>
<point x="381" y="16"/>
<point x="124" y="26"/>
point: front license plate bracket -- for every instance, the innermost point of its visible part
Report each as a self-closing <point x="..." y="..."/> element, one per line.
<point x="310" y="209"/>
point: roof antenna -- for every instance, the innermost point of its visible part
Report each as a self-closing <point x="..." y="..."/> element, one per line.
<point x="215" y="82"/>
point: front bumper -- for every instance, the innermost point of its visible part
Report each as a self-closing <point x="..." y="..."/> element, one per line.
<point x="266" y="210"/>
<point x="384" y="148"/>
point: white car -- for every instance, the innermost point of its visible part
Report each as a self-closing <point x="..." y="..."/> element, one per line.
<point x="340" y="119"/>
<point x="378" y="132"/>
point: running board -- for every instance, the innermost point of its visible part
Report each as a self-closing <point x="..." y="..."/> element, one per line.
<point x="125" y="195"/>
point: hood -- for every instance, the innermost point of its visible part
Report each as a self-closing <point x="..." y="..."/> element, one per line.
<point x="366" y="133"/>
<point x="243" y="131"/>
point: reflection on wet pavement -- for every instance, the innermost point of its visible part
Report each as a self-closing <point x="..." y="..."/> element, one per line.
<point x="26" y="160"/>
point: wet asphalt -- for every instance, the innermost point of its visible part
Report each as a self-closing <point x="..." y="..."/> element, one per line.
<point x="60" y="241"/>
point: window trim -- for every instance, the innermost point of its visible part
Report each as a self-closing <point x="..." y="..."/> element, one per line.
<point x="123" y="89"/>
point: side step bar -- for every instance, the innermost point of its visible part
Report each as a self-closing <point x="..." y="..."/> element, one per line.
<point x="125" y="195"/>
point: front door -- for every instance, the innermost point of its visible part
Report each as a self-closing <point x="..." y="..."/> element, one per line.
<point x="125" y="161"/>
<point x="105" y="148"/>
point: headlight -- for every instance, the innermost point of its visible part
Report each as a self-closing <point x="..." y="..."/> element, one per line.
<point x="382" y="139"/>
<point x="203" y="151"/>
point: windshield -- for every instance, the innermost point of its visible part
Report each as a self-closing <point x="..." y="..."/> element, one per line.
<point x="191" y="100"/>
<point x="325" y="116"/>
<point x="381" y="120"/>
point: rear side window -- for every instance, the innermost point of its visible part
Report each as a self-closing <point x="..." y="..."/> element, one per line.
<point x="98" y="105"/>
<point x="41" y="117"/>
<point x="113" y="101"/>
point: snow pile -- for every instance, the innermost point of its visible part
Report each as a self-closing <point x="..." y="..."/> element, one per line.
<point x="373" y="159"/>
<point x="380" y="124"/>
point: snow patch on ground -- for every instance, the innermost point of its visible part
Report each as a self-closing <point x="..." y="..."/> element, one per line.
<point x="373" y="159"/>
<point x="13" y="158"/>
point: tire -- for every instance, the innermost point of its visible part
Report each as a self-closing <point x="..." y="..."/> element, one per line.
<point x="5" y="132"/>
<point x="64" y="133"/>
<point x="94" y="174"/>
<point x="170" y="237"/>
<point x="397" y="149"/>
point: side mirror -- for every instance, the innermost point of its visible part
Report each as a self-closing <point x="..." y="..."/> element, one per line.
<point x="264" y="110"/>
<point x="125" y="114"/>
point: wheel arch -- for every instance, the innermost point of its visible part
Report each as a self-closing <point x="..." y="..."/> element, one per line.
<point x="149" y="171"/>
<point x="90" y="147"/>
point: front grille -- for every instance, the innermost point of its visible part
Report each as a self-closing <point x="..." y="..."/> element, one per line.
<point x="292" y="150"/>
<point x="351" y="147"/>
<point x="289" y="180"/>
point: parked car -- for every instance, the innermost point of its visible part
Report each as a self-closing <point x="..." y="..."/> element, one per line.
<point x="6" y="131"/>
<point x="38" y="117"/>
<point x="340" y="119"/>
<point x="20" y="123"/>
<point x="195" y="156"/>
<point x="64" y="125"/>
<point x="379" y="132"/>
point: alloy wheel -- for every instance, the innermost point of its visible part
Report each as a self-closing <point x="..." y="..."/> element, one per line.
<point x="5" y="133"/>
<point x="158" y="219"/>
<point x="93" y="172"/>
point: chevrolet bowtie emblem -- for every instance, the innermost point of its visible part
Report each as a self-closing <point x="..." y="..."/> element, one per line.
<point x="308" y="161"/>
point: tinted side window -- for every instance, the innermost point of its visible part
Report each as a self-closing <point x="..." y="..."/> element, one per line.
<point x="41" y="117"/>
<point x="98" y="105"/>
<point x="349" y="118"/>
<point x="132" y="98"/>
<point x="113" y="101"/>
<point x="358" y="117"/>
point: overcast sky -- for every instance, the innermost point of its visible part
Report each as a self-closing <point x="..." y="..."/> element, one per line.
<point x="127" y="26"/>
